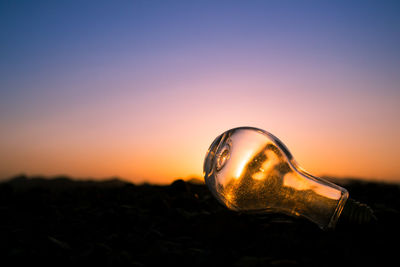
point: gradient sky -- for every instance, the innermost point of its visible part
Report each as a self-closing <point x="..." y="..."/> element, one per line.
<point x="139" y="89"/>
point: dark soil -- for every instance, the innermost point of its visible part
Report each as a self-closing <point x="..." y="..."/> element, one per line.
<point x="61" y="222"/>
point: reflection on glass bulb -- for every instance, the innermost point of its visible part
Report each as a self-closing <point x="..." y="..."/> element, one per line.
<point x="248" y="169"/>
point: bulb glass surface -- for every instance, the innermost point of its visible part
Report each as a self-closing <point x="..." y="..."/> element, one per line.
<point x="250" y="170"/>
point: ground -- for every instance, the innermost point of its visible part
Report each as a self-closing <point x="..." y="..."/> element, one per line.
<point x="64" y="222"/>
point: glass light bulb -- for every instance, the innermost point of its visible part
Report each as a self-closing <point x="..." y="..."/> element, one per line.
<point x="250" y="170"/>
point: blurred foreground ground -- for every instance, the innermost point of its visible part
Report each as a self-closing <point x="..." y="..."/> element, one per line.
<point x="61" y="222"/>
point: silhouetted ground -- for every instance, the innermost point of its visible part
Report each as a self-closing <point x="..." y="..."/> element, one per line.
<point x="61" y="222"/>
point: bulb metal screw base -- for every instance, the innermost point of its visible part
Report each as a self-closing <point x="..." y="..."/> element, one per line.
<point x="355" y="212"/>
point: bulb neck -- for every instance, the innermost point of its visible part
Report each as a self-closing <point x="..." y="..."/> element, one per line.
<point x="357" y="213"/>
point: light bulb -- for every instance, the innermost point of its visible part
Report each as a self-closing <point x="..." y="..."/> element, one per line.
<point x="250" y="170"/>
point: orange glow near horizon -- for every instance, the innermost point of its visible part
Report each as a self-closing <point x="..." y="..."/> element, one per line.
<point x="102" y="143"/>
<point x="174" y="146"/>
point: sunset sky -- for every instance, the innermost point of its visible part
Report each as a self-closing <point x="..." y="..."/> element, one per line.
<point x="140" y="89"/>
